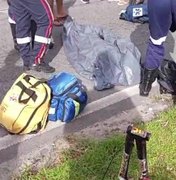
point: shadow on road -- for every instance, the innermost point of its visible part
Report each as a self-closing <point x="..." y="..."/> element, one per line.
<point x="57" y="37"/>
<point x="8" y="74"/>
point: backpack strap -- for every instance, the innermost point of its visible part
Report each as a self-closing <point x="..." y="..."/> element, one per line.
<point x="32" y="95"/>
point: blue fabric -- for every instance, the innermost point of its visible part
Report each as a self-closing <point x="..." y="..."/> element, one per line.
<point x="66" y="109"/>
<point x="136" y="13"/>
<point x="54" y="104"/>
<point x="154" y="56"/>
<point x="61" y="82"/>
<point x="69" y="97"/>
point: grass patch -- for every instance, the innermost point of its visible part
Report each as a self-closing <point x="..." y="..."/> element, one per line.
<point x="89" y="159"/>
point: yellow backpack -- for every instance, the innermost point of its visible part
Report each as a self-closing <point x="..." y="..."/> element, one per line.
<point x="24" y="108"/>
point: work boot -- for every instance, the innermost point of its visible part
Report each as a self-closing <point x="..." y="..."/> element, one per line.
<point x="43" y="66"/>
<point x="147" y="78"/>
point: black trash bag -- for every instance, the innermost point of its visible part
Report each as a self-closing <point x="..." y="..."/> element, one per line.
<point x="167" y="77"/>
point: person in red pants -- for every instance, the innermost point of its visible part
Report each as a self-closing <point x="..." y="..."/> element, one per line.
<point x="39" y="10"/>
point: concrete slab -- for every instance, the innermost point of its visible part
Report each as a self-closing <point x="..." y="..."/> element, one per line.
<point x="107" y="111"/>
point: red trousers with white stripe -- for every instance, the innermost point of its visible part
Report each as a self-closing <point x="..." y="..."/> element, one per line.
<point x="40" y="12"/>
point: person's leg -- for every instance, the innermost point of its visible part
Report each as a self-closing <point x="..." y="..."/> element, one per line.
<point x="160" y="20"/>
<point x="60" y="8"/>
<point x="33" y="31"/>
<point x="12" y="24"/>
<point x="13" y="32"/>
<point x="22" y="19"/>
<point x="61" y="13"/>
<point x="51" y="3"/>
<point x="43" y="17"/>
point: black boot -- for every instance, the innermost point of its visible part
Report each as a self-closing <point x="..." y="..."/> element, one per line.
<point x="147" y="78"/>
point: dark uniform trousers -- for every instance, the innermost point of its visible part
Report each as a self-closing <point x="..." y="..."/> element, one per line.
<point x="12" y="23"/>
<point x="162" y="18"/>
<point x="24" y="11"/>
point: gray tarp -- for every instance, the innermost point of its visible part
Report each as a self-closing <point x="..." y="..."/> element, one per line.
<point x="99" y="55"/>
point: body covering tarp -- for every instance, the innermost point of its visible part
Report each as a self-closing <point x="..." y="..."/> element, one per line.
<point x="99" y="55"/>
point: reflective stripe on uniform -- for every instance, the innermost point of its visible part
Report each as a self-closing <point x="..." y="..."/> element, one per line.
<point x="158" y="41"/>
<point x="47" y="32"/>
<point x="42" y="39"/>
<point x="11" y="21"/>
<point x="24" y="40"/>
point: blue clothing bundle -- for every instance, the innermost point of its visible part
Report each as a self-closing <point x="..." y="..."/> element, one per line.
<point x="137" y="13"/>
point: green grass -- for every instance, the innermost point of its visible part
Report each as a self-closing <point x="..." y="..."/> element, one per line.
<point x="89" y="159"/>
